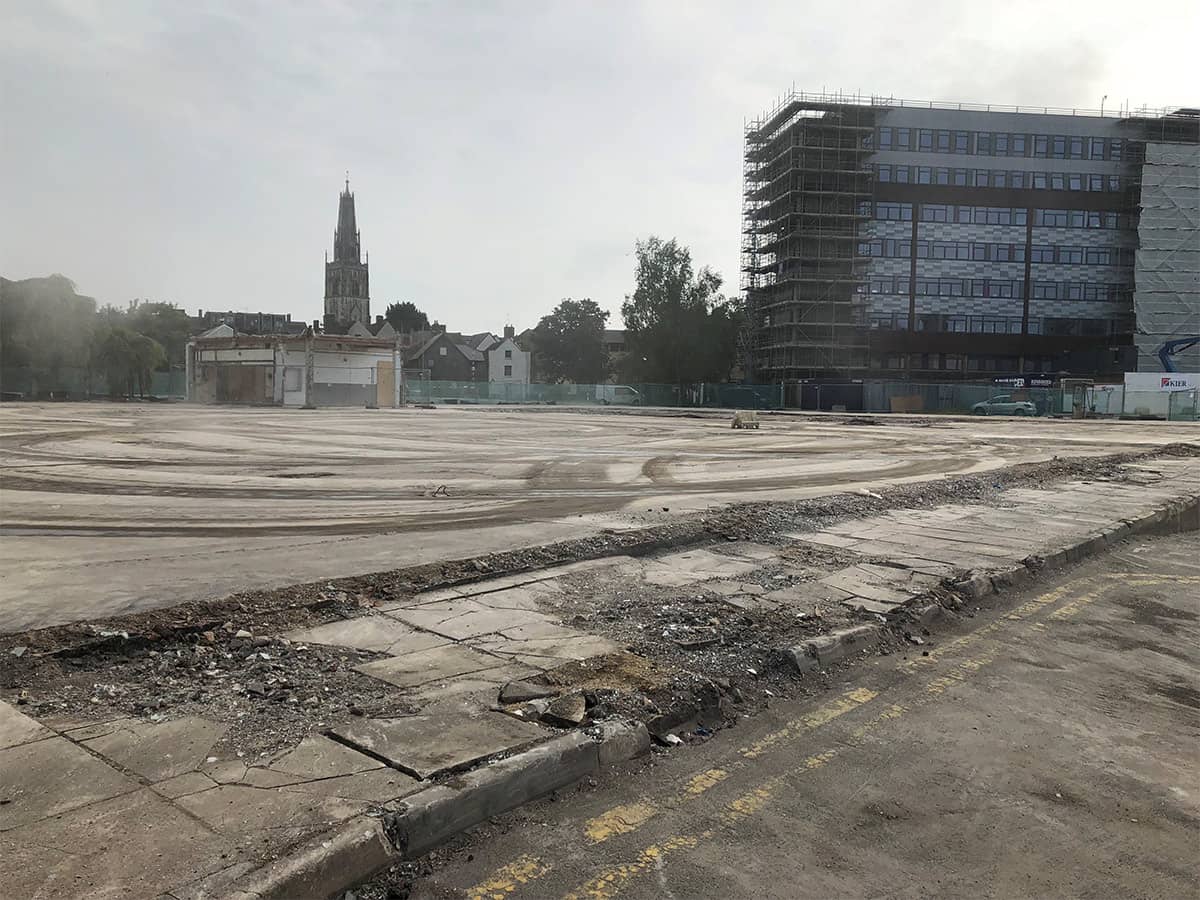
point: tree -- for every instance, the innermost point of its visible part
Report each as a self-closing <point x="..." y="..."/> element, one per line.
<point x="45" y="327"/>
<point x="126" y="359"/>
<point x="405" y="317"/>
<point x="679" y="329"/>
<point x="166" y="324"/>
<point x="568" y="344"/>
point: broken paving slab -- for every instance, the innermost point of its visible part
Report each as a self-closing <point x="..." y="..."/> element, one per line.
<point x="430" y="744"/>
<point x="316" y="756"/>
<point x="157" y="750"/>
<point x="460" y="619"/>
<point x="542" y="644"/>
<point x="16" y="728"/>
<point x="679" y="569"/>
<point x="380" y="634"/>
<point x="426" y="666"/>
<point x="238" y="809"/>
<point x="51" y="777"/>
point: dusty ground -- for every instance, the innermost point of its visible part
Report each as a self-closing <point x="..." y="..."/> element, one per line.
<point x="1044" y="748"/>
<point x="110" y="508"/>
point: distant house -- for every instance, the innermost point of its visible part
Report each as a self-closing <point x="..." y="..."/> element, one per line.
<point x="508" y="365"/>
<point x="246" y="322"/>
<point x="446" y="356"/>
<point x="382" y="328"/>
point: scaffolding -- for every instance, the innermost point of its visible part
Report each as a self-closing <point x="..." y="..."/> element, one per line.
<point x="807" y="187"/>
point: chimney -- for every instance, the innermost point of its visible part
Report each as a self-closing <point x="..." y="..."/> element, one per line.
<point x="316" y="326"/>
<point x="379" y="320"/>
<point x="509" y="331"/>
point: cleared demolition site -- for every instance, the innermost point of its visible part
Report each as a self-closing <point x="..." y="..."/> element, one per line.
<point x="310" y="646"/>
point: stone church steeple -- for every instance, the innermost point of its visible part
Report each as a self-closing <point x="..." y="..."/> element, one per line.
<point x="347" y="287"/>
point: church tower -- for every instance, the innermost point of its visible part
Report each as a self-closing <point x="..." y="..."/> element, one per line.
<point x="347" y="294"/>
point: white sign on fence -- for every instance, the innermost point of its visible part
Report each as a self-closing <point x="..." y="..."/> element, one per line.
<point x="1161" y="381"/>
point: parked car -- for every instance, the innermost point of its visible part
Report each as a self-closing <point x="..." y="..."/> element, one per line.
<point x="618" y="393"/>
<point x="1004" y="405"/>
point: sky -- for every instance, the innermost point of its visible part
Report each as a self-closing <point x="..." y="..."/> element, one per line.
<point x="503" y="155"/>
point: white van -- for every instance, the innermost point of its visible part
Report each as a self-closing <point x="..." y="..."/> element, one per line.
<point x="617" y="393"/>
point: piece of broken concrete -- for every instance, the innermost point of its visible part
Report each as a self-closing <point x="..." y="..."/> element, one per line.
<point x="567" y="710"/>
<point x="524" y="691"/>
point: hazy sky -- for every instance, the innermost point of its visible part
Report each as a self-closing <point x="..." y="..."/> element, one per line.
<point x="504" y="155"/>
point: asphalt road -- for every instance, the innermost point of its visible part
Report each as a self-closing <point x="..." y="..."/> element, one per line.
<point x="115" y="508"/>
<point x="1045" y="748"/>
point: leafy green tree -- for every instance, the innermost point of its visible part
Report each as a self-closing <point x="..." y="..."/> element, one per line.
<point x="405" y="317"/>
<point x="45" y="327"/>
<point x="166" y="324"/>
<point x="568" y="344"/>
<point x="679" y="328"/>
<point x="126" y="359"/>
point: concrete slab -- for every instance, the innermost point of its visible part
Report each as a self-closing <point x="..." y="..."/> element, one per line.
<point x="436" y="664"/>
<point x="459" y="619"/>
<point x="159" y="750"/>
<point x="319" y="757"/>
<point x="854" y="585"/>
<point x="733" y="588"/>
<point x="134" y="846"/>
<point x="235" y="809"/>
<point x="378" y="786"/>
<point x="378" y="633"/>
<point x="16" y="728"/>
<point x="428" y="745"/>
<point x="544" y="644"/>
<point x="180" y="785"/>
<point x="50" y="777"/>
<point x="481" y="687"/>
<point x="748" y="550"/>
<point x="825" y="539"/>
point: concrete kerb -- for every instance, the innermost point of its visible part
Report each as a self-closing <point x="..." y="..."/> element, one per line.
<point x="366" y="845"/>
<point x="1175" y="516"/>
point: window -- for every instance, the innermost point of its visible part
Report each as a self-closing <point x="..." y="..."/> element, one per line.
<point x="508" y="371"/>
<point x="1040" y="181"/>
<point x="924" y="175"/>
<point x="981" y="178"/>
<point x="900" y="174"/>
<point x="960" y="177"/>
<point x="442" y="351"/>
<point x="1096" y="148"/>
<point x="1098" y="256"/>
<point x="1070" y="255"/>
<point x="1045" y="290"/>
<point x="1095" y="182"/>
<point x="894" y="211"/>
<point x="508" y="354"/>
<point x="903" y="138"/>
<point x="1057" y="181"/>
<point x="884" y="173"/>
<point x="1017" y="147"/>
<point x="1000" y="145"/>
<point x="979" y="251"/>
<point x="925" y="140"/>
<point x="1041" y="145"/>
<point x="1058" y="147"/>
<point x="962" y="142"/>
<point x="1018" y="179"/>
<point x="1114" y="182"/>
<point x="1075" y="182"/>
<point x="999" y="179"/>
<point x="885" y="139"/>
<point x="1041" y="253"/>
<point x="1051" y="218"/>
<point x="983" y="143"/>
<point x="941" y="176"/>
<point x="932" y="212"/>
<point x="943" y="142"/>
<point x="1076" y="148"/>
<point x="1114" y="148"/>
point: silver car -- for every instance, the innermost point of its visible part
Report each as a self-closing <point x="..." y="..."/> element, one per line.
<point x="1004" y="405"/>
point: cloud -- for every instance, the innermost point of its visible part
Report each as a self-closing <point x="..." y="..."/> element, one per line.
<point x="504" y="155"/>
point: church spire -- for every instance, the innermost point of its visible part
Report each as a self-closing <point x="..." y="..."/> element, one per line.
<point x="345" y="239"/>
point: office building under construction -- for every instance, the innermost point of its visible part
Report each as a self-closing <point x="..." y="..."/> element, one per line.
<point x="961" y="241"/>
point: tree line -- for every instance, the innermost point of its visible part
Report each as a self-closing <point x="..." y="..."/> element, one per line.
<point x="49" y="331"/>
<point x="679" y="328"/>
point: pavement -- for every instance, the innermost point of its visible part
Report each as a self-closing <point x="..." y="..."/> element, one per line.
<point x="115" y="508"/>
<point x="109" y="804"/>
<point x="1045" y="747"/>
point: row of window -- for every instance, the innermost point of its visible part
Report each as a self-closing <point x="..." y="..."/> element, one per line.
<point x="948" y="324"/>
<point x="993" y="143"/>
<point x="998" y="178"/>
<point x="989" y="252"/>
<point x="888" y="210"/>
<point x="996" y="288"/>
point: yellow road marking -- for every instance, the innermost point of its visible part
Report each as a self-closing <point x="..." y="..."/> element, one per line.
<point x="821" y="715"/>
<point x="618" y="820"/>
<point x="704" y="781"/>
<point x="508" y="878"/>
<point x="608" y="883"/>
